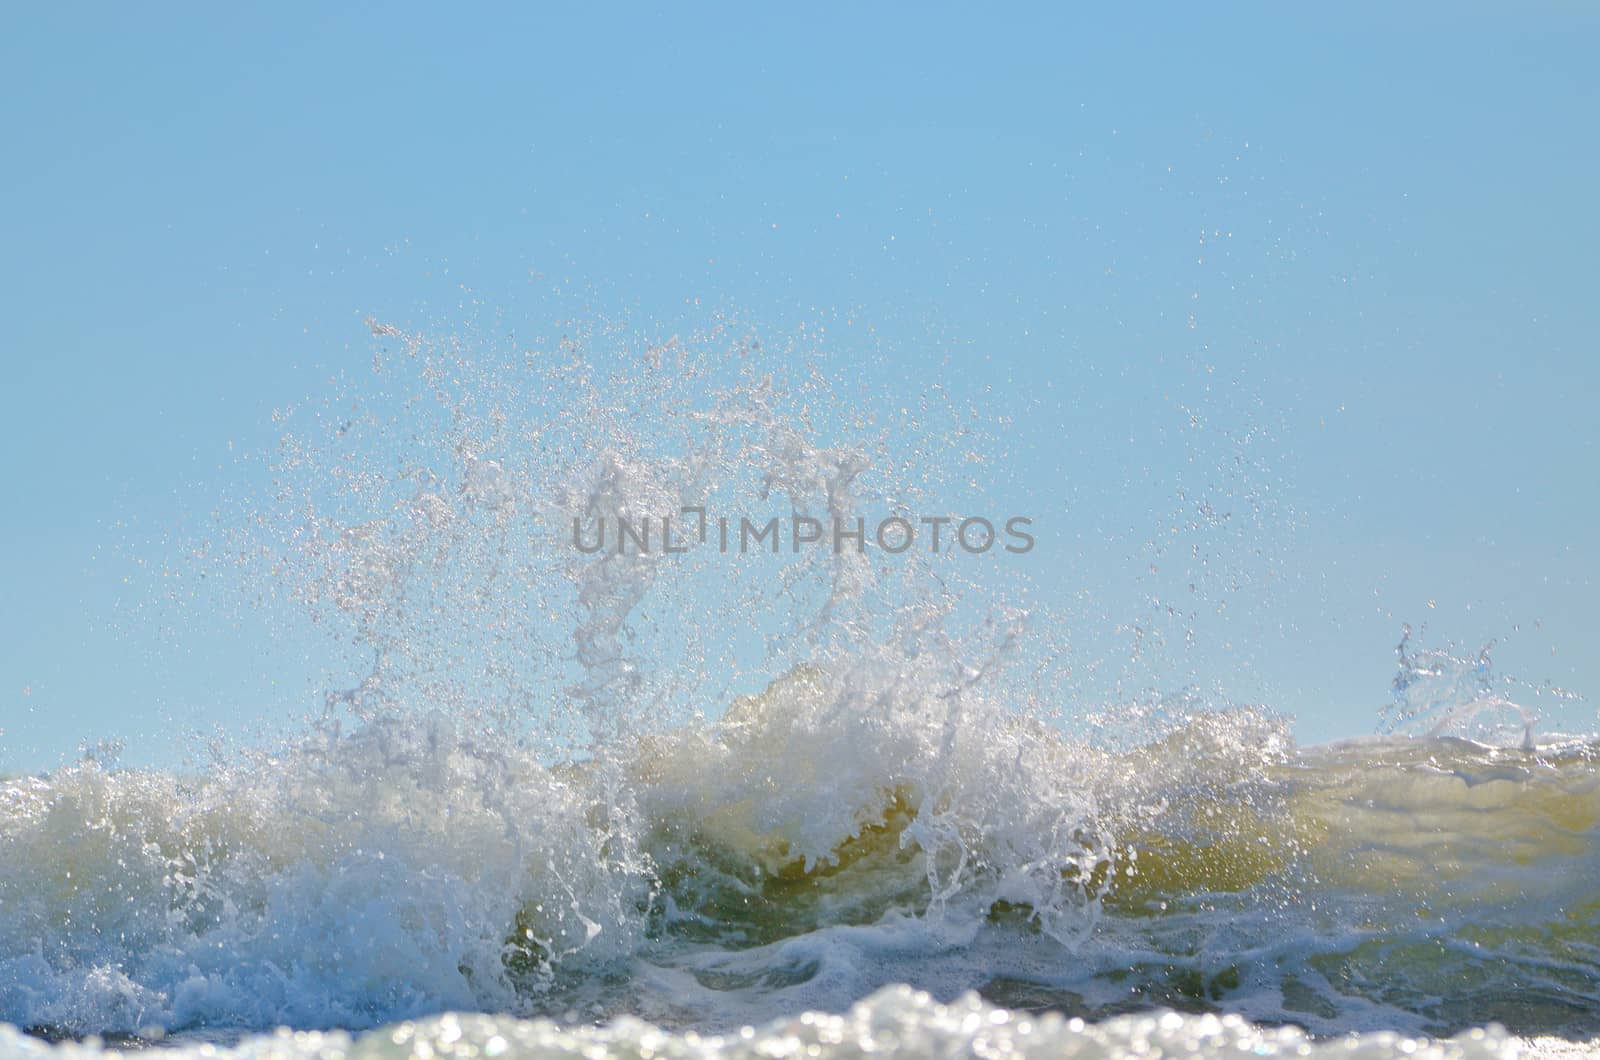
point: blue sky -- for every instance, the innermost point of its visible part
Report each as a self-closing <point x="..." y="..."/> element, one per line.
<point x="1379" y="223"/>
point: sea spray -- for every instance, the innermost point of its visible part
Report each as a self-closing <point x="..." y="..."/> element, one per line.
<point x="714" y="790"/>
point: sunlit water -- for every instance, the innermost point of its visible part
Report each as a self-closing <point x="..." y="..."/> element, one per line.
<point x="547" y="811"/>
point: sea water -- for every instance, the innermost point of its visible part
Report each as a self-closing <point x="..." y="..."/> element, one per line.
<point x="811" y="803"/>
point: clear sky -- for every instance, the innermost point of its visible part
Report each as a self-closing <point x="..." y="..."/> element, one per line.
<point x="1375" y="222"/>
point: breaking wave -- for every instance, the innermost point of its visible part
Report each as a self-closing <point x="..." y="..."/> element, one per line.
<point x="714" y="792"/>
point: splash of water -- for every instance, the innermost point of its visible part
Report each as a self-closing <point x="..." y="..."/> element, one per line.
<point x="1438" y="693"/>
<point x="717" y="788"/>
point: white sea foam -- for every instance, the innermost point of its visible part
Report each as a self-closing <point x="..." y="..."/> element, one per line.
<point x="895" y="1022"/>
